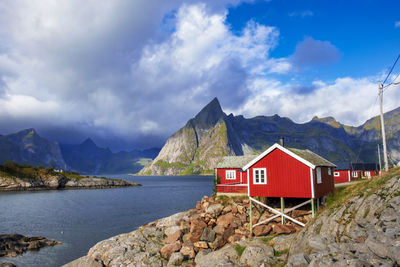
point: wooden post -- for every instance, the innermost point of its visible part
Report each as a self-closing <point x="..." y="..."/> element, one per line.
<point x="251" y="218"/>
<point x="283" y="209"/>
<point x="312" y="208"/>
<point x="317" y="204"/>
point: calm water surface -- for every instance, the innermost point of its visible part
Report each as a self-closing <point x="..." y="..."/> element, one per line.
<point x="81" y="218"/>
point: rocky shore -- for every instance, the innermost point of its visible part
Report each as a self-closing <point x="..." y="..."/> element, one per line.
<point x="359" y="227"/>
<point x="11" y="245"/>
<point x="51" y="182"/>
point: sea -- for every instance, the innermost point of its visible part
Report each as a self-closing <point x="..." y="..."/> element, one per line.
<point x="81" y="218"/>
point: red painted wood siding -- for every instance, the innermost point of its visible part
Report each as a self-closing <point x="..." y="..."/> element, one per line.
<point x="326" y="186"/>
<point x="232" y="189"/>
<point x="222" y="173"/>
<point x="343" y="176"/>
<point x="286" y="177"/>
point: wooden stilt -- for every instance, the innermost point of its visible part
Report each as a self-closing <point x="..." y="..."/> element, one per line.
<point x="317" y="204"/>
<point x="283" y="209"/>
<point x="312" y="208"/>
<point x="251" y="217"/>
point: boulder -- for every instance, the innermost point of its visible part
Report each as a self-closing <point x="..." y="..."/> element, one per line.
<point x="225" y="220"/>
<point x="261" y="230"/>
<point x="282" y="229"/>
<point x="188" y="251"/>
<point x="176" y="259"/>
<point x="205" y="259"/>
<point x="215" y="209"/>
<point x="298" y="260"/>
<point x="256" y="254"/>
<point x="173" y="237"/>
<point x="167" y="250"/>
<point x="282" y="242"/>
<point x="219" y="229"/>
<point x="208" y="235"/>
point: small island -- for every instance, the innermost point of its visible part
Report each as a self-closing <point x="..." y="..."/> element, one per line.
<point x="19" y="177"/>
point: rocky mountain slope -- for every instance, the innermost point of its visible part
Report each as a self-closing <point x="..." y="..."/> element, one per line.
<point x="29" y="148"/>
<point x="198" y="146"/>
<point x="359" y="226"/>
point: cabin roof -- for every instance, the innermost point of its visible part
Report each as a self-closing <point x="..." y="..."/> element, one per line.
<point x="312" y="157"/>
<point x="235" y="161"/>
<point x="305" y="156"/>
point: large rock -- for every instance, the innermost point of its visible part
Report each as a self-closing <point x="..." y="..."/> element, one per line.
<point x="173" y="237"/>
<point x="215" y="209"/>
<point x="12" y="245"/>
<point x="298" y="260"/>
<point x="208" y="235"/>
<point x="176" y="259"/>
<point x="261" y="230"/>
<point x="209" y="259"/>
<point x="257" y="253"/>
<point x="225" y="220"/>
<point x="167" y="250"/>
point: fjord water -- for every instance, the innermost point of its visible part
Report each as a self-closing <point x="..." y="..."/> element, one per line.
<point x="81" y="218"/>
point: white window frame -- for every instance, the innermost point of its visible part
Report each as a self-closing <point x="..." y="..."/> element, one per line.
<point x="230" y="175"/>
<point x="260" y="170"/>
<point x="319" y="175"/>
<point x="354" y="174"/>
<point x="329" y="171"/>
<point x="336" y="174"/>
<point x="368" y="174"/>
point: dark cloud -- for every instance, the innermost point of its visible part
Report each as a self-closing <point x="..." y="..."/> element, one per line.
<point x="311" y="52"/>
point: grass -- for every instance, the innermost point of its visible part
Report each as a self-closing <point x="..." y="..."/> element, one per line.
<point x="364" y="188"/>
<point x="239" y="249"/>
<point x="278" y="253"/>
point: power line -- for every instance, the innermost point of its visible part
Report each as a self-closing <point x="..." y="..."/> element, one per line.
<point x="392" y="83"/>
<point x="391" y="70"/>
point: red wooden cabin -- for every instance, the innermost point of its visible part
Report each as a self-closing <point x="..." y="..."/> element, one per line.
<point x="289" y="173"/>
<point x="231" y="178"/>
<point x="342" y="176"/>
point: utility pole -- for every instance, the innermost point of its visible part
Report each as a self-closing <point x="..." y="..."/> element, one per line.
<point x="380" y="162"/>
<point x="385" y="156"/>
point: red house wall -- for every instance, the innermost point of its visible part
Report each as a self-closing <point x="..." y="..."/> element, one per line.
<point x="222" y="173"/>
<point x="343" y="176"/>
<point x="286" y="177"/>
<point x="326" y="186"/>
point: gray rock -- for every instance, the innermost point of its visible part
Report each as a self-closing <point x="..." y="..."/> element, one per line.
<point x="215" y="209"/>
<point x="377" y="248"/>
<point x="255" y="255"/>
<point x="317" y="244"/>
<point x="298" y="260"/>
<point x="83" y="261"/>
<point x="209" y="259"/>
<point x="282" y="242"/>
<point x="172" y="229"/>
<point x="176" y="259"/>
<point x="208" y="235"/>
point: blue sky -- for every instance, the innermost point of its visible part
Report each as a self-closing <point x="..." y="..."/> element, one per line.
<point x="363" y="31"/>
<point x="129" y="74"/>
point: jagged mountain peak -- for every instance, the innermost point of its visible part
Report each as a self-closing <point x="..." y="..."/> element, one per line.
<point x="328" y="120"/>
<point x="209" y="115"/>
<point x="88" y="143"/>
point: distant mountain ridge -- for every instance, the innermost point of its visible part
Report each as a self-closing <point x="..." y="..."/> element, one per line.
<point x="28" y="147"/>
<point x="211" y="134"/>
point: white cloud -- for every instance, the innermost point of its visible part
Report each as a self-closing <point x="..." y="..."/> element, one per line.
<point x="351" y="101"/>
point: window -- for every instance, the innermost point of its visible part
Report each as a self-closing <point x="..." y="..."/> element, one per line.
<point x="260" y="176"/>
<point x="319" y="178"/>
<point x="336" y="174"/>
<point x="354" y="174"/>
<point x="329" y="171"/>
<point x="368" y="174"/>
<point x="230" y="175"/>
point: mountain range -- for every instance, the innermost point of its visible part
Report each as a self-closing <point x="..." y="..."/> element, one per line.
<point x="197" y="147"/>
<point x="28" y="147"/>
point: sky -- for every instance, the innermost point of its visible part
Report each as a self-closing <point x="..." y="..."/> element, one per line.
<point x="129" y="74"/>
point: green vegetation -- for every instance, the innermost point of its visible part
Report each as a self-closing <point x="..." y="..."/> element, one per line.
<point x="216" y="180"/>
<point x="12" y="169"/>
<point x="239" y="249"/>
<point x="279" y="253"/>
<point x="364" y="188"/>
